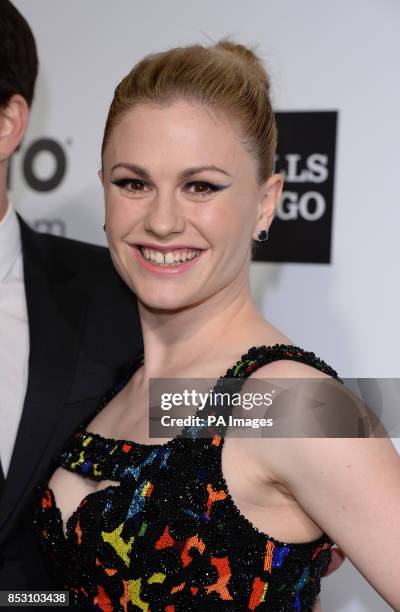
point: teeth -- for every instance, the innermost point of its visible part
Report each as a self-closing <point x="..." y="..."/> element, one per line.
<point x="168" y="258"/>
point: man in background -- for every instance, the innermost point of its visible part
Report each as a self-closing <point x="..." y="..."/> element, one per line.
<point x="67" y="323"/>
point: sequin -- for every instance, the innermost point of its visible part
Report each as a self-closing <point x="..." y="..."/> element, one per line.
<point x="169" y="537"/>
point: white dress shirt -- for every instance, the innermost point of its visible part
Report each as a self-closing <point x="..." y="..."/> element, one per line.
<point x="14" y="335"/>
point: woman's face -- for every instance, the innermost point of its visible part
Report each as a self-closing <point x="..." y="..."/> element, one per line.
<point x="156" y="194"/>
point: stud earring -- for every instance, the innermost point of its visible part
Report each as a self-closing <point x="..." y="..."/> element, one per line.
<point x="262" y="237"/>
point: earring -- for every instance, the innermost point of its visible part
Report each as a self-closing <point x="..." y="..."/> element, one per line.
<point x="262" y="237"/>
<point x="104" y="227"/>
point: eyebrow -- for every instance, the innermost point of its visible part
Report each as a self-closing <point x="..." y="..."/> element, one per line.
<point x="182" y="175"/>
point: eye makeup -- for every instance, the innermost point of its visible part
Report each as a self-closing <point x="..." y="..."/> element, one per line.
<point x="128" y="185"/>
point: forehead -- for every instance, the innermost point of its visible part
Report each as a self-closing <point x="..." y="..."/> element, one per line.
<point x="181" y="132"/>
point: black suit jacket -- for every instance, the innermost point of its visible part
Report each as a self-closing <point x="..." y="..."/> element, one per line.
<point x="83" y="325"/>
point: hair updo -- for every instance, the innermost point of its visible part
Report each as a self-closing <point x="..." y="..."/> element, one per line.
<point x="227" y="77"/>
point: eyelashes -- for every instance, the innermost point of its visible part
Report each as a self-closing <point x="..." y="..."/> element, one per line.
<point x="128" y="185"/>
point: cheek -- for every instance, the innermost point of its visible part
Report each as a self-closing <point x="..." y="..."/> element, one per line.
<point x="226" y="217"/>
<point x="121" y="216"/>
<point x="235" y="229"/>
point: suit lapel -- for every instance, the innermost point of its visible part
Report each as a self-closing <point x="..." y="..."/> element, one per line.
<point x="56" y="312"/>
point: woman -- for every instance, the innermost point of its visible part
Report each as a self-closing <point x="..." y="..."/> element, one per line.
<point x="133" y="523"/>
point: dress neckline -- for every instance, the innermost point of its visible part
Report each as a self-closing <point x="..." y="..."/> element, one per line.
<point x="255" y="357"/>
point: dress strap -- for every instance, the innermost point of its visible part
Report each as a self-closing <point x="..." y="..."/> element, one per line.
<point x="258" y="356"/>
<point x="255" y="358"/>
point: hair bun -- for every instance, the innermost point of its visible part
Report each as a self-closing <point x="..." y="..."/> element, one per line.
<point x="246" y="55"/>
<point x="239" y="50"/>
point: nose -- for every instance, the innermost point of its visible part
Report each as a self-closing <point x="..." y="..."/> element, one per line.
<point x="164" y="218"/>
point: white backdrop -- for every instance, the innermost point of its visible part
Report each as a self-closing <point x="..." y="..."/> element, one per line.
<point x="321" y="56"/>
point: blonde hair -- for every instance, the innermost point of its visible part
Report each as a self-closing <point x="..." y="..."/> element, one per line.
<point x="227" y="77"/>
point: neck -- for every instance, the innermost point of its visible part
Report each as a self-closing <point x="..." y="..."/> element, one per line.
<point x="220" y="325"/>
<point x="3" y="192"/>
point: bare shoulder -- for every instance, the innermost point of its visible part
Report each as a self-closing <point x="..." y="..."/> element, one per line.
<point x="276" y="454"/>
<point x="292" y="459"/>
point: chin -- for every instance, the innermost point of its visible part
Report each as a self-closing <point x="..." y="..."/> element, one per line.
<point x="163" y="306"/>
<point x="158" y="299"/>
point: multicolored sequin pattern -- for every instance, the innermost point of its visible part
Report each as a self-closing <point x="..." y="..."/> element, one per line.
<point x="167" y="536"/>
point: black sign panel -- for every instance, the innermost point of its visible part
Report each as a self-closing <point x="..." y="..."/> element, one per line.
<point x="302" y="228"/>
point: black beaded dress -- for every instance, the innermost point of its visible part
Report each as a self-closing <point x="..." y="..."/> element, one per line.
<point x="169" y="537"/>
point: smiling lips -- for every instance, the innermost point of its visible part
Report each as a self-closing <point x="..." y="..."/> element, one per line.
<point x="167" y="259"/>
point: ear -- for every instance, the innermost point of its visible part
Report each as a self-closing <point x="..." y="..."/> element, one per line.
<point x="270" y="193"/>
<point x="101" y="176"/>
<point x="14" y="119"/>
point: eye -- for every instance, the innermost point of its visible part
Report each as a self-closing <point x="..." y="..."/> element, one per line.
<point x="206" y="188"/>
<point x="129" y="184"/>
